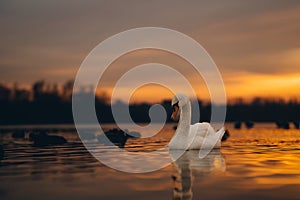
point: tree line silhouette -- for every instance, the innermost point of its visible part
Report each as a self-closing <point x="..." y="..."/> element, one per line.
<point x="46" y="103"/>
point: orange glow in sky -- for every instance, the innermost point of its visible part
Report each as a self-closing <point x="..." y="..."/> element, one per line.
<point x="245" y="86"/>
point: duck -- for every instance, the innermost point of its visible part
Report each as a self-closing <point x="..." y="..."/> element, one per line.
<point x="283" y="124"/>
<point x="226" y="135"/>
<point x="118" y="137"/>
<point x="1" y="152"/>
<point x="187" y="136"/>
<point x="42" y="139"/>
<point x="18" y="134"/>
<point x="238" y="125"/>
<point x="249" y="124"/>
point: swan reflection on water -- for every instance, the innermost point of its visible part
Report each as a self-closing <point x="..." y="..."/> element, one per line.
<point x="190" y="162"/>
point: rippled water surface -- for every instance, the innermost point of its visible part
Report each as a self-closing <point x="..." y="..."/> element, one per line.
<point x="258" y="163"/>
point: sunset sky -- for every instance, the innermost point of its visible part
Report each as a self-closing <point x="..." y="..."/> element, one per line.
<point x="255" y="44"/>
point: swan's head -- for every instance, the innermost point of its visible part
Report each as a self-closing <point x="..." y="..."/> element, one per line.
<point x="178" y="101"/>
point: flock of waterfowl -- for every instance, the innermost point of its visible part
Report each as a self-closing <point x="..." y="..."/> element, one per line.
<point x="248" y="124"/>
<point x="43" y="137"/>
<point x="279" y="124"/>
<point x="37" y="137"/>
<point x="286" y="124"/>
<point x="47" y="137"/>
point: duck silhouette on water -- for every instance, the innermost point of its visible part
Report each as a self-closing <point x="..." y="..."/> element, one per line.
<point x="42" y="139"/>
<point x="1" y="152"/>
<point x="118" y="137"/>
<point x="18" y="134"/>
<point x="283" y="124"/>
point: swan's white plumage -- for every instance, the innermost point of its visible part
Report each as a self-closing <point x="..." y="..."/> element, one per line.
<point x="196" y="136"/>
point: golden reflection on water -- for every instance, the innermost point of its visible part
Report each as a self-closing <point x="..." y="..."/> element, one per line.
<point x="189" y="162"/>
<point x="263" y="162"/>
<point x="264" y="156"/>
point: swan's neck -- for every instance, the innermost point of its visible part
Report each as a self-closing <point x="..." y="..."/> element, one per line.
<point x="184" y="123"/>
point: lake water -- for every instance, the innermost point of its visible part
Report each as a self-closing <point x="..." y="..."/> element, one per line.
<point x="258" y="163"/>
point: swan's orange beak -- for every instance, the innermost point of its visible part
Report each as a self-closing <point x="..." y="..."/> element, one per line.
<point x="175" y="112"/>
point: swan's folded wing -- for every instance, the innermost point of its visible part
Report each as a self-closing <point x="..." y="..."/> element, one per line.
<point x="213" y="140"/>
<point x="197" y="134"/>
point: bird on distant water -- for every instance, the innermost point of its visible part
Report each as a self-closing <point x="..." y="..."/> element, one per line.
<point x="249" y="124"/>
<point x="18" y="134"/>
<point x="1" y="152"/>
<point x="42" y="139"/>
<point x="283" y="124"/>
<point x="225" y="136"/>
<point x="117" y="137"/>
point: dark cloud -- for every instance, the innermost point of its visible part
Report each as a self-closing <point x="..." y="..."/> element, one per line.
<point x="50" y="35"/>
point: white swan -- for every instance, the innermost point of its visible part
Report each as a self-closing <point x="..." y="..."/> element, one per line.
<point x="187" y="136"/>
